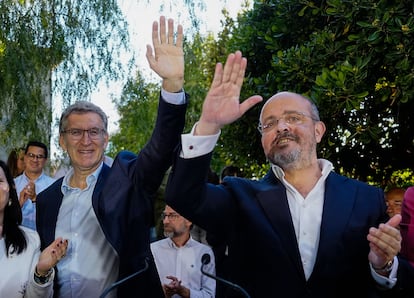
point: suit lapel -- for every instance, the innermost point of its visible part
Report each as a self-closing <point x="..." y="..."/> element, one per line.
<point x="336" y="211"/>
<point x="337" y="208"/>
<point x="275" y="207"/>
<point x="100" y="183"/>
<point x="51" y="212"/>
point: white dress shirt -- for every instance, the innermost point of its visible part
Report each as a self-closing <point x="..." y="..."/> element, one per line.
<point x="185" y="264"/>
<point x="306" y="214"/>
<point x="306" y="226"/>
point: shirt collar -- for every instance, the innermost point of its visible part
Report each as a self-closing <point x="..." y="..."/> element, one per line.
<point x="325" y="165"/>
<point x="171" y="243"/>
<point x="38" y="178"/>
<point x="90" y="179"/>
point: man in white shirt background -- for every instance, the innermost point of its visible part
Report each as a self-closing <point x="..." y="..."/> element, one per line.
<point x="178" y="259"/>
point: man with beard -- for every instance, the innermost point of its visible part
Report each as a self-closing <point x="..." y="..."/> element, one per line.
<point x="302" y="230"/>
<point x="178" y="259"/>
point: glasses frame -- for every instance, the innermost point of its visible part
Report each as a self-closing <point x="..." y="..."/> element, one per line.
<point x="33" y="156"/>
<point x="170" y="216"/>
<point x="94" y="133"/>
<point x="290" y="118"/>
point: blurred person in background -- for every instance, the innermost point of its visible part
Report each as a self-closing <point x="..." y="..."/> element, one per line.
<point x="178" y="259"/>
<point x="394" y="198"/>
<point x="15" y="161"/>
<point x="32" y="181"/>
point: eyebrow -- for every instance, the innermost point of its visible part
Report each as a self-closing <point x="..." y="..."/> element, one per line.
<point x="286" y="113"/>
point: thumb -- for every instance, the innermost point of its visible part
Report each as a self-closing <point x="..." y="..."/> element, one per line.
<point x="249" y="103"/>
<point x="394" y="221"/>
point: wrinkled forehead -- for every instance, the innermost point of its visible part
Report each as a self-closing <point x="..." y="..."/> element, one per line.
<point x="85" y="120"/>
<point x="285" y="102"/>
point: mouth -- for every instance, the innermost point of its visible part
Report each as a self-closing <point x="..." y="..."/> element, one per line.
<point x="85" y="151"/>
<point x="283" y="140"/>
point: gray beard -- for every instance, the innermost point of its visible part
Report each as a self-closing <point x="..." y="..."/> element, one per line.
<point x="285" y="160"/>
<point x="169" y="235"/>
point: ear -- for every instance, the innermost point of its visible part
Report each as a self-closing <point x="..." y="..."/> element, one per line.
<point x="62" y="142"/>
<point x="106" y="138"/>
<point x="320" y="129"/>
<point x="187" y="223"/>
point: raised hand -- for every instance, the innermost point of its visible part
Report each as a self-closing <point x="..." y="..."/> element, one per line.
<point x="222" y="103"/>
<point x="384" y="242"/>
<point x="168" y="59"/>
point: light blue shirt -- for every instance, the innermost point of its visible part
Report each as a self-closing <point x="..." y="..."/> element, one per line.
<point x="91" y="264"/>
<point x="185" y="264"/>
<point x="29" y="208"/>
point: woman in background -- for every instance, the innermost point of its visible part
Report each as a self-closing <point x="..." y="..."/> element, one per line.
<point x="15" y="162"/>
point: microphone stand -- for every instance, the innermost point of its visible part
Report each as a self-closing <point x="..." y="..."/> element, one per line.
<point x="119" y="282"/>
<point x="205" y="260"/>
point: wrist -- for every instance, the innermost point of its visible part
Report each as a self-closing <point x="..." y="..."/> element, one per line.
<point x="206" y="129"/>
<point x="22" y="200"/>
<point x="386" y="269"/>
<point x="173" y="86"/>
<point x="42" y="277"/>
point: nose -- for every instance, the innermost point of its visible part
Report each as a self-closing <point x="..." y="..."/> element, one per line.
<point x="281" y="125"/>
<point x="85" y="137"/>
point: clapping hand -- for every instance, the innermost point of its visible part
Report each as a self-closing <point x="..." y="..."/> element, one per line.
<point x="384" y="242"/>
<point x="28" y="192"/>
<point x="175" y="287"/>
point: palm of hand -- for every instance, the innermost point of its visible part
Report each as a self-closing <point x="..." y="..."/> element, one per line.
<point x="222" y="105"/>
<point x="169" y="61"/>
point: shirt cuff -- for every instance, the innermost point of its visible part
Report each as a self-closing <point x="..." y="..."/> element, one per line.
<point x="386" y="282"/>
<point x="194" y="146"/>
<point x="173" y="98"/>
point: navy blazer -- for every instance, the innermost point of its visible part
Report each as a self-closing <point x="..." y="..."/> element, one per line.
<point x="253" y="217"/>
<point x="123" y="202"/>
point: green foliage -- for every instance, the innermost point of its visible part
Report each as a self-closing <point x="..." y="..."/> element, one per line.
<point x="137" y="108"/>
<point x="402" y="178"/>
<point x="53" y="47"/>
<point x="355" y="60"/>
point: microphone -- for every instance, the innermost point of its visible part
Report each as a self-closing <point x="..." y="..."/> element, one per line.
<point x="119" y="282"/>
<point x="205" y="259"/>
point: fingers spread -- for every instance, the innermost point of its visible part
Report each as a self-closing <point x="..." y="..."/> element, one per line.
<point x="163" y="34"/>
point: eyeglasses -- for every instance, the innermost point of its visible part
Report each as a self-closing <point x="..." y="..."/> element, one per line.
<point x="77" y="133"/>
<point x="170" y="216"/>
<point x="290" y="118"/>
<point x="35" y="156"/>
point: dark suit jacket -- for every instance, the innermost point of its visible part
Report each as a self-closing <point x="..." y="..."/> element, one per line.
<point x="254" y="216"/>
<point x="122" y="201"/>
